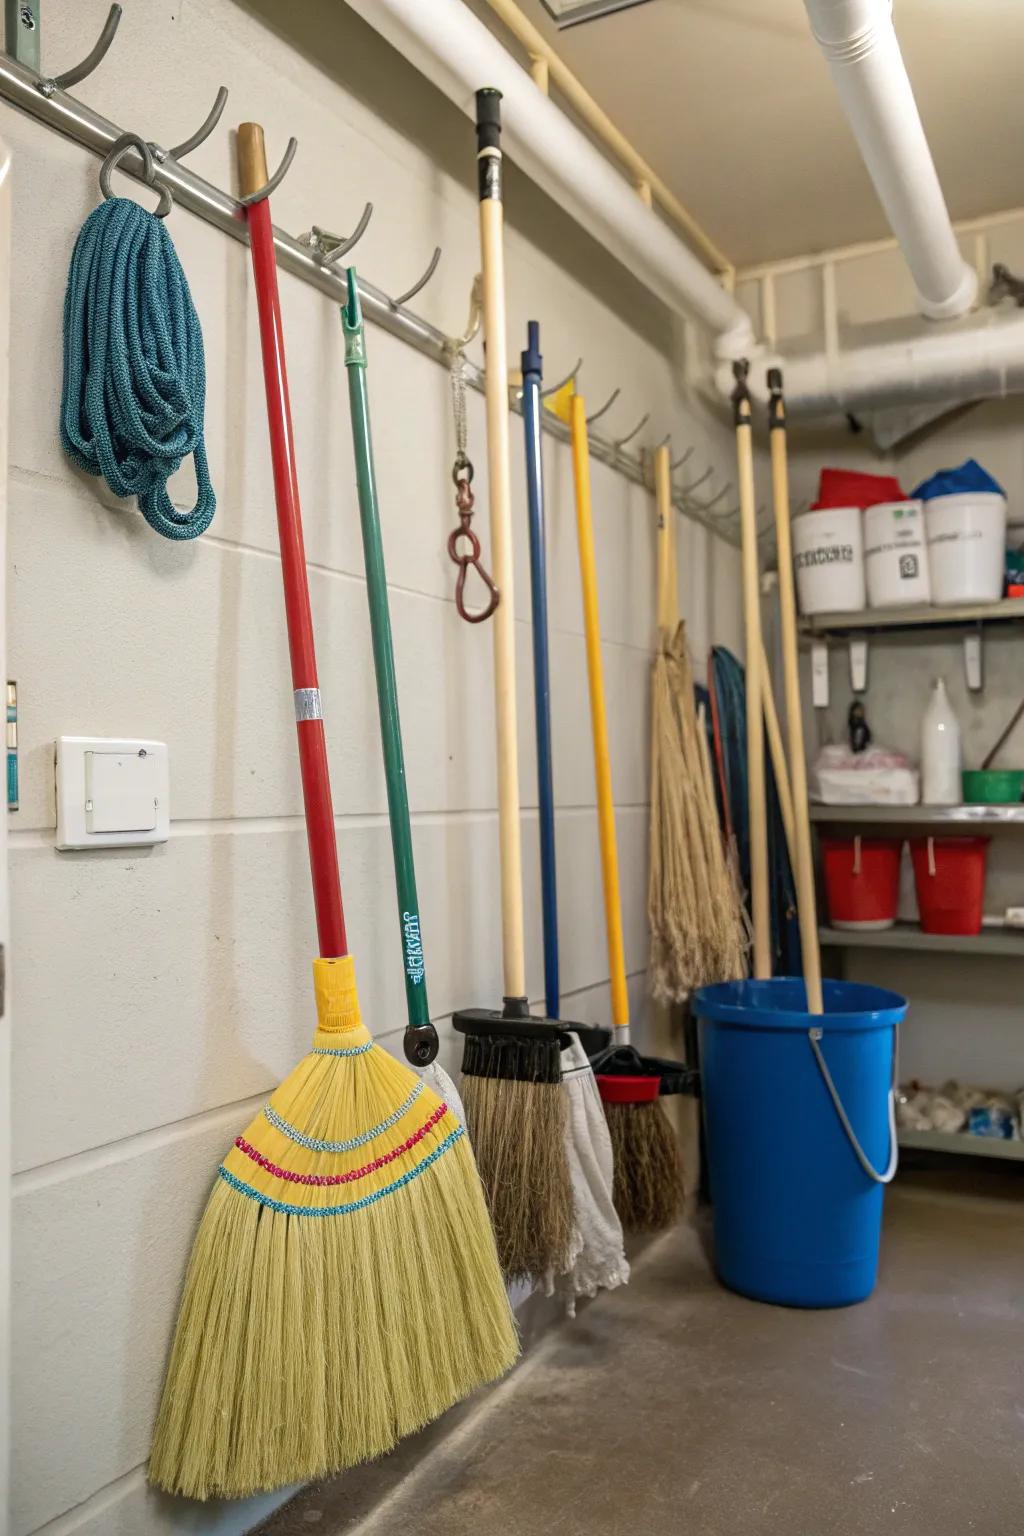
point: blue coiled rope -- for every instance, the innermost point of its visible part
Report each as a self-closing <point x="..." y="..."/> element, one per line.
<point x="134" y="370"/>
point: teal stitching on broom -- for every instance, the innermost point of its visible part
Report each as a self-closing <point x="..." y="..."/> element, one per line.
<point x="134" y="370"/>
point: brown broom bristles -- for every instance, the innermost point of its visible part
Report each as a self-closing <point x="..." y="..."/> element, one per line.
<point x="518" y="1131"/>
<point x="698" y="934"/>
<point x="648" y="1188"/>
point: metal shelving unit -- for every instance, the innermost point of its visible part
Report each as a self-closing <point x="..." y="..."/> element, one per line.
<point x="1007" y="610"/>
<point x="920" y="815"/>
<point x="954" y="1141"/>
<point x="904" y="936"/>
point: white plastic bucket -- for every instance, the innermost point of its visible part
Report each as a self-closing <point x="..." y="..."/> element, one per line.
<point x="828" y="556"/>
<point x="966" y="546"/>
<point x="895" y="555"/>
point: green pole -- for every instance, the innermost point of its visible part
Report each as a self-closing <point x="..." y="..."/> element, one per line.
<point x="420" y="1037"/>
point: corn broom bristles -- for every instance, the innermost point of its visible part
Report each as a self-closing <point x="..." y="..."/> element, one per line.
<point x="344" y="1287"/>
<point x="698" y="934"/>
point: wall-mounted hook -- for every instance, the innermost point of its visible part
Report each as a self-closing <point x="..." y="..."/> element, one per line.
<point x="275" y="180"/>
<point x="705" y="506"/>
<point x="620" y="442"/>
<point x="331" y="248"/>
<point x="70" y="77"/>
<point x="596" y="415"/>
<point x="684" y="457"/>
<point x="201" y="134"/>
<point x="696" y="484"/>
<point x="411" y="293"/>
<point x="458" y="344"/>
<point x="120" y="147"/>
<point x="553" y="389"/>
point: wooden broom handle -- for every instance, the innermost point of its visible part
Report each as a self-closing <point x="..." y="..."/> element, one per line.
<point x="758" y="816"/>
<point x="668" y="608"/>
<point x="496" y="353"/>
<point x="804" y="868"/>
<point x="252" y="159"/>
<point x="778" y="757"/>
<point x="599" y="720"/>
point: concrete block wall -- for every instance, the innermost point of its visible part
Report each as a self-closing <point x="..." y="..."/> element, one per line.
<point x="158" y="995"/>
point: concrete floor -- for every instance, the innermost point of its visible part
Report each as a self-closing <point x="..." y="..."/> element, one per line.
<point x="674" y="1406"/>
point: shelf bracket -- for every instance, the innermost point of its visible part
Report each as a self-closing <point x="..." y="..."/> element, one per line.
<point x="858" y="665"/>
<point x="819" y="674"/>
<point x="973" y="668"/>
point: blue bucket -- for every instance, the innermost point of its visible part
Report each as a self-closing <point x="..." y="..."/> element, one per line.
<point x="800" y="1117"/>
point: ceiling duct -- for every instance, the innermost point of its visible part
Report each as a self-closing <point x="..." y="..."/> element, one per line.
<point x="569" y="13"/>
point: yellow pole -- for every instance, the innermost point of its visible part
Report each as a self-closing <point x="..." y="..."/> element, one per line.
<point x="778" y="756"/>
<point x="599" y="720"/>
<point x="803" y="867"/>
<point x="758" y="815"/>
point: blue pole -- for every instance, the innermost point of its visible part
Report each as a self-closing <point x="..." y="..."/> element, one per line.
<point x="532" y="364"/>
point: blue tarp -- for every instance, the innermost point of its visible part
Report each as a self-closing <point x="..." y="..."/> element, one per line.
<point x="954" y="482"/>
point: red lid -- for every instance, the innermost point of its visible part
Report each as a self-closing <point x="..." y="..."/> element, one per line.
<point x="628" y="1090"/>
<point x="854" y="488"/>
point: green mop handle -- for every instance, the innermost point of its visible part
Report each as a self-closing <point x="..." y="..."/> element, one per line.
<point x="420" y="1035"/>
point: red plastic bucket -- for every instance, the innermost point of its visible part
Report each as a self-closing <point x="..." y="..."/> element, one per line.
<point x="949" y="873"/>
<point x="862" y="880"/>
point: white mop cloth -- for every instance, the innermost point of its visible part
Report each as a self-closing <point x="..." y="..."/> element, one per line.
<point x="597" y="1257"/>
<point x="437" y="1079"/>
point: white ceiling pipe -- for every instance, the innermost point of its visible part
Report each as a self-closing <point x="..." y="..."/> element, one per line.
<point x="449" y="45"/>
<point x="863" y="55"/>
<point x="981" y="359"/>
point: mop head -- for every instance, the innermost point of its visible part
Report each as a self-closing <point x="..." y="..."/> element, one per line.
<point x="344" y="1287"/>
<point x="648" y="1189"/>
<point x="698" y="934"/>
<point x="516" y="1115"/>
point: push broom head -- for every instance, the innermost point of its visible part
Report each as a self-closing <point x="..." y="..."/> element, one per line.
<point x="516" y="1115"/>
<point x="344" y="1287"/>
<point x="648" y="1187"/>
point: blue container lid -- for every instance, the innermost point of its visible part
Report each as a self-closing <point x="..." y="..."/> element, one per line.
<point x="781" y="1003"/>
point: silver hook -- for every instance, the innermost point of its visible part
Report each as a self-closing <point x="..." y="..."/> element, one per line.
<point x="553" y="389"/>
<point x="620" y="442"/>
<point x="275" y="180"/>
<point x="121" y="147"/>
<point x="331" y="248"/>
<point x="201" y="134"/>
<point x="422" y="283"/>
<point x="705" y="506"/>
<point x="95" y="55"/>
<point x="686" y="489"/>
<point x="606" y="407"/>
<point x="454" y="345"/>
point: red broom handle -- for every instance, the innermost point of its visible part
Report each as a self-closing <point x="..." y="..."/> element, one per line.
<point x="316" y="784"/>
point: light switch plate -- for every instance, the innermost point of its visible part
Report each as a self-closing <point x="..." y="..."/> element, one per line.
<point x="111" y="792"/>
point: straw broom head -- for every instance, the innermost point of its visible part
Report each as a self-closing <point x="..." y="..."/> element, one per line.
<point x="344" y="1287"/>
<point x="648" y="1186"/>
<point x="516" y="1114"/>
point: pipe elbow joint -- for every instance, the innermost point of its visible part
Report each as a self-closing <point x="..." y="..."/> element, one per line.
<point x="959" y="302"/>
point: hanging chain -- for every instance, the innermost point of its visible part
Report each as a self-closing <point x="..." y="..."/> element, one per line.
<point x="463" y="544"/>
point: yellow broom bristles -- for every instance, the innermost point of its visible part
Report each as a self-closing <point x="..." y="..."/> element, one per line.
<point x="344" y="1287"/>
<point x="698" y="932"/>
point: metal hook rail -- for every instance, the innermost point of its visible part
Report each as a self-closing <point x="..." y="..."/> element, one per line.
<point x="29" y="91"/>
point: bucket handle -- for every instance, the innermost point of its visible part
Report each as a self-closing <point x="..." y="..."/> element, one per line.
<point x="814" y="1036"/>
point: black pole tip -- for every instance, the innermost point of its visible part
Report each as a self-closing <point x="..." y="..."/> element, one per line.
<point x="531" y="360"/>
<point x="420" y="1044"/>
<point x="740" y="369"/>
<point x="488" y="107"/>
<point x="775" y="380"/>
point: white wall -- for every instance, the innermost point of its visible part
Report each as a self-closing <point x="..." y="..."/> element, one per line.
<point x="964" y="1019"/>
<point x="162" y="993"/>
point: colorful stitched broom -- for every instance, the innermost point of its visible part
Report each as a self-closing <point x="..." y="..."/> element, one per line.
<point x="648" y="1189"/>
<point x="344" y="1287"/>
<point x="511" y="1067"/>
